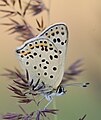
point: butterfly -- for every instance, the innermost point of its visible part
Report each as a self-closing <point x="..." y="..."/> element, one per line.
<point x="43" y="59"/>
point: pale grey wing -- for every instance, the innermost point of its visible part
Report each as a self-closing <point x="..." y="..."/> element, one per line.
<point x="40" y="57"/>
<point x="58" y="34"/>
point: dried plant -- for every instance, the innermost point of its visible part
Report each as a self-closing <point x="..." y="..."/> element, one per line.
<point x="26" y="116"/>
<point x="24" y="30"/>
<point x="37" y="6"/>
<point x="26" y="94"/>
<point x="23" y="91"/>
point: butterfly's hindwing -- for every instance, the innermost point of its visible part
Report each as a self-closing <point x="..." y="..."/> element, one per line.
<point x="58" y="34"/>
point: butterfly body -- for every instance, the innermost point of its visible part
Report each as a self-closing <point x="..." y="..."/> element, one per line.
<point x="44" y="56"/>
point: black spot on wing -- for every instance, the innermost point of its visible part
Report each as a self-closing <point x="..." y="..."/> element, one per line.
<point x="35" y="67"/>
<point x="51" y="76"/>
<point x="46" y="34"/>
<point x="53" y="34"/>
<point x="30" y="44"/>
<point x="51" y="48"/>
<point x="54" y="40"/>
<point x="32" y="48"/>
<point x="31" y="56"/>
<point x="62" y="43"/>
<point x="39" y="74"/>
<point x="41" y="41"/>
<point x="22" y="56"/>
<point x="45" y="67"/>
<point x="60" y="51"/>
<point x="62" y="28"/>
<point x="57" y="32"/>
<point x="46" y="48"/>
<point x="62" y="33"/>
<point x="54" y="68"/>
<point x="55" y="51"/>
<point x="47" y="62"/>
<point x="27" y="57"/>
<point x="43" y="60"/>
<point x="39" y="65"/>
<point x="51" y="57"/>
<point x="27" y="63"/>
<point x="45" y="73"/>
<point x="45" y="42"/>
<point x="55" y="56"/>
<point x="58" y="40"/>
<point x="34" y="53"/>
<point x="36" y="43"/>
<point x="40" y="55"/>
<point x="37" y="46"/>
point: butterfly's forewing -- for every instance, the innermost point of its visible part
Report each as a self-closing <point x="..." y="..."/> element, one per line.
<point x="58" y="34"/>
<point x="41" y="59"/>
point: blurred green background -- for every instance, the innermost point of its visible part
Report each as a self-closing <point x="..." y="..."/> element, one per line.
<point x="83" y="17"/>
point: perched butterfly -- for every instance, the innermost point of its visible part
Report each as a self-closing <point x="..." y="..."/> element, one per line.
<point x="43" y="58"/>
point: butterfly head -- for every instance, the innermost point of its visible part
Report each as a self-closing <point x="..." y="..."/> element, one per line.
<point x="60" y="90"/>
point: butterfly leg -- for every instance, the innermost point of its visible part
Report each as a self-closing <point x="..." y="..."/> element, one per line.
<point x="40" y="100"/>
<point x="51" y="99"/>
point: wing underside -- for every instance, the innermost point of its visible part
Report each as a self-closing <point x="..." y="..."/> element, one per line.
<point x="43" y="57"/>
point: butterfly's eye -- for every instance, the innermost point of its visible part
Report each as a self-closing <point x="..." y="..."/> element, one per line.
<point x="60" y="90"/>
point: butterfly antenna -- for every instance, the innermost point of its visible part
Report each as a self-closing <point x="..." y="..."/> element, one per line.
<point x="77" y="84"/>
